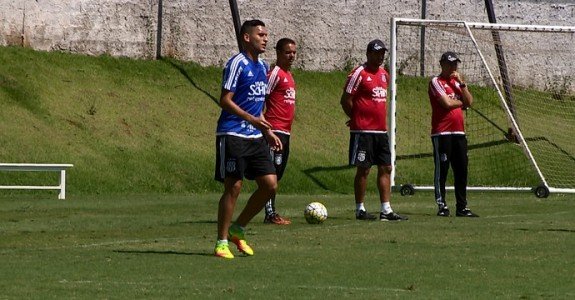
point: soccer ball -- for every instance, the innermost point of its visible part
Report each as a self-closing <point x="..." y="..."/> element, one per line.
<point x="315" y="213"/>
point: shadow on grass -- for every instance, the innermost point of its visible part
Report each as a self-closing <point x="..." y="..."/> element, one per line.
<point x="169" y="252"/>
<point x="310" y="173"/>
<point x="551" y="230"/>
<point x="183" y="71"/>
<point x="554" y="145"/>
<point x="198" y="222"/>
<point x="471" y="147"/>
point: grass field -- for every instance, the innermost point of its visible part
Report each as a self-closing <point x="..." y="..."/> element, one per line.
<point x="140" y="219"/>
<point x="121" y="247"/>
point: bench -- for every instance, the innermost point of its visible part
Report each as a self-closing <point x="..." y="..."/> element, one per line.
<point x="38" y="167"/>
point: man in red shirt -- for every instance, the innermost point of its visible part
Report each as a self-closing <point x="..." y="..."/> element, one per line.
<point x="280" y="109"/>
<point x="364" y="102"/>
<point x="449" y="96"/>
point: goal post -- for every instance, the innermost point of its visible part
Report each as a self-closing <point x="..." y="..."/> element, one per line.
<point x="528" y="146"/>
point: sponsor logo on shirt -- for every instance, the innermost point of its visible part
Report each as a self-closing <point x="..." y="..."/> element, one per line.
<point x="289" y="96"/>
<point x="257" y="91"/>
<point x="379" y="94"/>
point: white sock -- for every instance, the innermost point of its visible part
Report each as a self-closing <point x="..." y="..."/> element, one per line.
<point x="359" y="206"/>
<point x="386" y="208"/>
<point x="219" y="242"/>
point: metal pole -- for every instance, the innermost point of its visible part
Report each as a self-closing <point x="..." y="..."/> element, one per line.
<point x="159" y="31"/>
<point x="237" y="22"/>
<point x="502" y="65"/>
<point x="422" y="40"/>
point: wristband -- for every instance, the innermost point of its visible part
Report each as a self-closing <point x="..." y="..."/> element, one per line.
<point x="462" y="85"/>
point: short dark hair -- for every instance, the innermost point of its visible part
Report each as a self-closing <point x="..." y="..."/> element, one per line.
<point x="249" y="24"/>
<point x="282" y="43"/>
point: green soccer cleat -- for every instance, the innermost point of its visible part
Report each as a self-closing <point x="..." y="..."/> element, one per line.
<point x="223" y="250"/>
<point x="236" y="235"/>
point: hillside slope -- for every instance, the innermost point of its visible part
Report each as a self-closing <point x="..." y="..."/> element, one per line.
<point x="133" y="126"/>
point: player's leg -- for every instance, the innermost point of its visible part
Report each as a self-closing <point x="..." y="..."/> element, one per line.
<point x="227" y="204"/>
<point x="280" y="160"/>
<point x="382" y="157"/>
<point x="229" y="170"/>
<point x="441" y="168"/>
<point x="359" y="156"/>
<point x="359" y="188"/>
<point x="267" y="185"/>
<point x="259" y="167"/>
<point x="459" y="163"/>
<point x="225" y="213"/>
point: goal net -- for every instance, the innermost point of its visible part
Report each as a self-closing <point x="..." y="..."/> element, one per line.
<point x="521" y="127"/>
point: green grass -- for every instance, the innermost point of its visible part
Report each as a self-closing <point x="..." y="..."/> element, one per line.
<point x="140" y="219"/>
<point x="159" y="246"/>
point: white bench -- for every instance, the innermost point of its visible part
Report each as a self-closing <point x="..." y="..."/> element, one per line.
<point x="38" y="167"/>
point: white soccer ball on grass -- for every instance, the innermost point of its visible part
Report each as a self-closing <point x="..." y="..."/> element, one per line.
<point x="315" y="213"/>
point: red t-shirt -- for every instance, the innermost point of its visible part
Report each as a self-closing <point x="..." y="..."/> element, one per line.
<point x="280" y="103"/>
<point x="444" y="120"/>
<point x="369" y="91"/>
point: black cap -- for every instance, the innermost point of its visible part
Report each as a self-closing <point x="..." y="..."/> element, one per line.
<point x="376" y="45"/>
<point x="449" y="57"/>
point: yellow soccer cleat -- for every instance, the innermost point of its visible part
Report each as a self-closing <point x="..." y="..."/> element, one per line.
<point x="223" y="250"/>
<point x="236" y="235"/>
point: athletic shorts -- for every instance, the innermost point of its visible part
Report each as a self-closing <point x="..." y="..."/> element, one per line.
<point x="280" y="159"/>
<point x="240" y="157"/>
<point x="368" y="149"/>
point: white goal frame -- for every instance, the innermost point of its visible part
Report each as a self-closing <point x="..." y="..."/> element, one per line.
<point x="517" y="130"/>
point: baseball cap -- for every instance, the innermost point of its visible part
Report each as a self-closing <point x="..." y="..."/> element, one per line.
<point x="376" y="45"/>
<point x="450" y="57"/>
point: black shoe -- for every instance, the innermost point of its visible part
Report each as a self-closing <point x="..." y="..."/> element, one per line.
<point x="443" y="212"/>
<point x="392" y="216"/>
<point x="364" y="215"/>
<point x="466" y="212"/>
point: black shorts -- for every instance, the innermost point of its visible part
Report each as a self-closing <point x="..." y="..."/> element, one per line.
<point x="241" y="157"/>
<point x="280" y="159"/>
<point x="368" y="149"/>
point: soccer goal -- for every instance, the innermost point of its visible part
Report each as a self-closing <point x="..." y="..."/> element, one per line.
<point x="521" y="128"/>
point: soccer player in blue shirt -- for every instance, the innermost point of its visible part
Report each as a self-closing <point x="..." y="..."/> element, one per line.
<point x="241" y="146"/>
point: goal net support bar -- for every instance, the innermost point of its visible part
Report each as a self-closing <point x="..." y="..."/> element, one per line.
<point x="460" y="36"/>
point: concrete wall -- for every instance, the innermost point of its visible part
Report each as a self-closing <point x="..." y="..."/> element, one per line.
<point x="331" y="34"/>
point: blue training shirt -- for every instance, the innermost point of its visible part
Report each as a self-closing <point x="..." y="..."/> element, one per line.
<point x="248" y="81"/>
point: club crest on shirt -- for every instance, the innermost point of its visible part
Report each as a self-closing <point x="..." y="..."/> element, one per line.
<point x="361" y="156"/>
